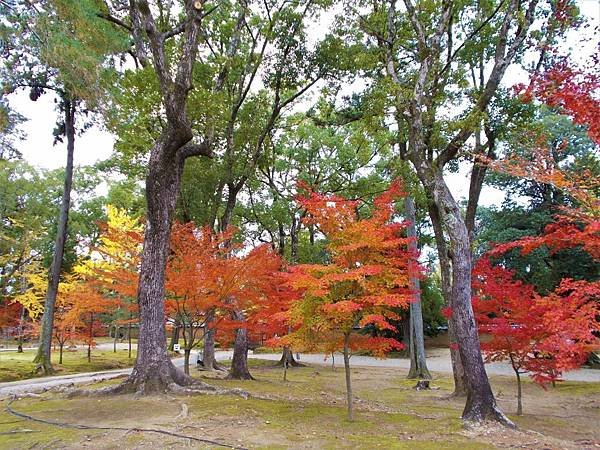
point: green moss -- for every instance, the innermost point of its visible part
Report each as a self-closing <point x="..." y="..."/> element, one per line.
<point x="18" y="366"/>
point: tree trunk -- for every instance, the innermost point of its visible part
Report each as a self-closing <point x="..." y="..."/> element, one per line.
<point x="186" y="360"/>
<point x="519" y="394"/>
<point x="418" y="364"/>
<point x="153" y="371"/>
<point x="42" y="358"/>
<point x="20" y="331"/>
<point x="90" y="338"/>
<point x="481" y="404"/>
<point x="458" y="372"/>
<point x="287" y="356"/>
<point x="239" y="363"/>
<point x="281" y="246"/>
<point x="129" y="337"/>
<point x="294" y="231"/>
<point x="175" y="335"/>
<point x="348" y="380"/>
<point x="116" y="337"/>
<point x="209" y="361"/>
<point x="60" y="352"/>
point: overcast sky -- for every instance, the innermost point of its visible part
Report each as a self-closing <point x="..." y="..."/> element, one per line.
<point x="96" y="144"/>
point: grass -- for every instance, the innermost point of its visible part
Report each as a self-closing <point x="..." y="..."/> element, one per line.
<point x="309" y="411"/>
<point x="18" y="366"/>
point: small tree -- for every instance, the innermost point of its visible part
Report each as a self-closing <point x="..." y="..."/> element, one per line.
<point x="542" y="336"/>
<point x="366" y="280"/>
<point x="204" y="274"/>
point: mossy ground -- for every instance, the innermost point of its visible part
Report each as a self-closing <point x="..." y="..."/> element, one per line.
<point x="19" y="366"/>
<point x="309" y="411"/>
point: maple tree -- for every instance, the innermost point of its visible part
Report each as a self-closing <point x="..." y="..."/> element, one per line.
<point x="207" y="274"/>
<point x="88" y="305"/>
<point x="540" y="335"/>
<point x="66" y="324"/>
<point x="112" y="267"/>
<point x="366" y="280"/>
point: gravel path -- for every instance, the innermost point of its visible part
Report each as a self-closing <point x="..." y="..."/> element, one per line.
<point x="438" y="360"/>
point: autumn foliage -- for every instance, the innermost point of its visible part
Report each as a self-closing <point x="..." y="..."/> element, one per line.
<point x="363" y="285"/>
<point x="543" y="336"/>
<point x="206" y="273"/>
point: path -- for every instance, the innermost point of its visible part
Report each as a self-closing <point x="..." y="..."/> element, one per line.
<point x="438" y="360"/>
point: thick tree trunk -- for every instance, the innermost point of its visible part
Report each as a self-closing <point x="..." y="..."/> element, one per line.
<point x="460" y="389"/>
<point x="481" y="404"/>
<point x="153" y="371"/>
<point x="239" y="363"/>
<point x="348" y="380"/>
<point x="418" y="363"/>
<point x="42" y="358"/>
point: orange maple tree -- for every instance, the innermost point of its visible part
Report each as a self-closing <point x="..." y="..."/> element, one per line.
<point x="363" y="285"/>
<point x="207" y="273"/>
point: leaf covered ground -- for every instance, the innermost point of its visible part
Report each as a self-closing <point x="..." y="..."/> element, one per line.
<point x="308" y="411"/>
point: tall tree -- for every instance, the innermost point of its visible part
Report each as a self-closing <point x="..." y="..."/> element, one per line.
<point x="44" y="33"/>
<point x="419" y="51"/>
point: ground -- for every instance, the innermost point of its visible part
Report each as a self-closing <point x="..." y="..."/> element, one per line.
<point x="19" y="366"/>
<point x="309" y="411"/>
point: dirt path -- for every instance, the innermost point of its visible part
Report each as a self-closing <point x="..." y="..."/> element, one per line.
<point x="438" y="360"/>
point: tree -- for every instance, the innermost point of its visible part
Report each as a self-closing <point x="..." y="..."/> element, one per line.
<point x="88" y="306"/>
<point x="66" y="323"/>
<point x="424" y="49"/>
<point x="112" y="267"/>
<point x="44" y="33"/>
<point x="540" y="335"/>
<point x="366" y="280"/>
<point x="206" y="279"/>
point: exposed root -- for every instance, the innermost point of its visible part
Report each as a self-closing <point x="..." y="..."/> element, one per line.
<point x="491" y="417"/>
<point x="10" y="410"/>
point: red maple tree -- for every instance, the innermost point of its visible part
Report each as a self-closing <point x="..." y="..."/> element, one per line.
<point x="540" y="335"/>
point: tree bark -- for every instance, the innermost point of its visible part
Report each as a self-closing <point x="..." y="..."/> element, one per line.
<point x="418" y="363"/>
<point x="186" y="360"/>
<point x="348" y="380"/>
<point x="129" y="337"/>
<point x="42" y="358"/>
<point x="60" y="352"/>
<point x="154" y="371"/>
<point x="239" y="363"/>
<point x="481" y="404"/>
<point x="208" y="352"/>
<point x="458" y="372"/>
<point x="175" y="335"/>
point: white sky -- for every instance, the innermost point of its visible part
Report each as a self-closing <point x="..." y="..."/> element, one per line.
<point x="96" y="144"/>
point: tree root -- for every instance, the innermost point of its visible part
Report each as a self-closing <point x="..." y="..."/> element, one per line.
<point x="490" y="417"/>
<point x="11" y="411"/>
